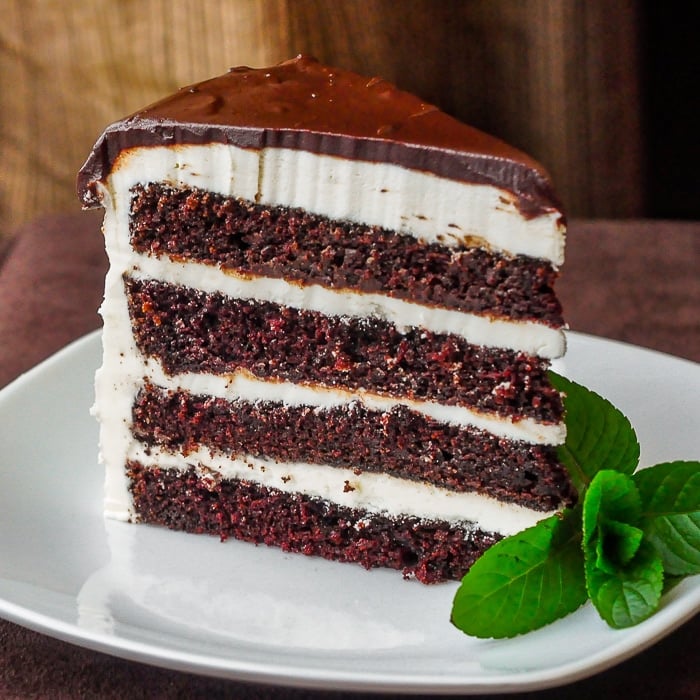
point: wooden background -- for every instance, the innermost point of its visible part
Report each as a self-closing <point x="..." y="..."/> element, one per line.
<point x="558" y="78"/>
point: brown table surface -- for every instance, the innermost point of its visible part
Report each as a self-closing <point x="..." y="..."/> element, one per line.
<point x="636" y="281"/>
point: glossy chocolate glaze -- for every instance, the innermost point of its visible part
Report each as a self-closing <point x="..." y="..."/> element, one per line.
<point x="302" y="104"/>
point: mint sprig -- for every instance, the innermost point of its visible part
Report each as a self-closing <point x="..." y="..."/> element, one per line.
<point x="631" y="538"/>
<point x="523" y="583"/>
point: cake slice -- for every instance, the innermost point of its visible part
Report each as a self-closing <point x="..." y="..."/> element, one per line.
<point x="328" y="320"/>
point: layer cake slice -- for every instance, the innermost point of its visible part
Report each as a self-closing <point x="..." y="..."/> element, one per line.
<point x="328" y="321"/>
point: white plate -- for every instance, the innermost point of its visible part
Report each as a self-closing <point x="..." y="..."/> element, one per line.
<point x="253" y="613"/>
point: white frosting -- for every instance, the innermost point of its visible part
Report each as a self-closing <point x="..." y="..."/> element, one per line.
<point x="374" y="492"/>
<point x="531" y="338"/>
<point x="242" y="385"/>
<point x="431" y="208"/>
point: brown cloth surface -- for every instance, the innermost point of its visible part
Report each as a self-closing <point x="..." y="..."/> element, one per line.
<point x="637" y="281"/>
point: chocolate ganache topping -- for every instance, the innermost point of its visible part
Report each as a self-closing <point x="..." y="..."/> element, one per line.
<point x="305" y="105"/>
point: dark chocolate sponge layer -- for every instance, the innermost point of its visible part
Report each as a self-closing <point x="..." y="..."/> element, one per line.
<point x="400" y="442"/>
<point x="190" y="331"/>
<point x="430" y="551"/>
<point x="191" y="224"/>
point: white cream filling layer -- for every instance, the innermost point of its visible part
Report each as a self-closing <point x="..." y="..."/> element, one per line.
<point x="531" y="338"/>
<point x="246" y="387"/>
<point x="428" y="207"/>
<point x="375" y="493"/>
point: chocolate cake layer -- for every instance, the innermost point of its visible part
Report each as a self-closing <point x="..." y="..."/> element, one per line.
<point x="190" y="224"/>
<point x="400" y="442"/>
<point x="190" y="331"/>
<point x="430" y="551"/>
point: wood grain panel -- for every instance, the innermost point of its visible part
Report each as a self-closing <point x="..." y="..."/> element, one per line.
<point x="558" y="78"/>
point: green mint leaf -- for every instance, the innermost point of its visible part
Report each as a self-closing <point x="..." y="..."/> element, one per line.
<point x="624" y="572"/>
<point x="599" y="436"/>
<point x="525" y="581"/>
<point x="617" y="545"/>
<point x="632" y="593"/>
<point x="670" y="495"/>
<point x="676" y="539"/>
<point x="670" y="488"/>
<point x="611" y="497"/>
<point x="611" y="511"/>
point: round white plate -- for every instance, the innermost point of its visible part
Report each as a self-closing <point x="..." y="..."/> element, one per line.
<point x="238" y="611"/>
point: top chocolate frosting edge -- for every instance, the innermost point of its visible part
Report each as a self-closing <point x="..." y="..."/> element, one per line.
<point x="304" y="105"/>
